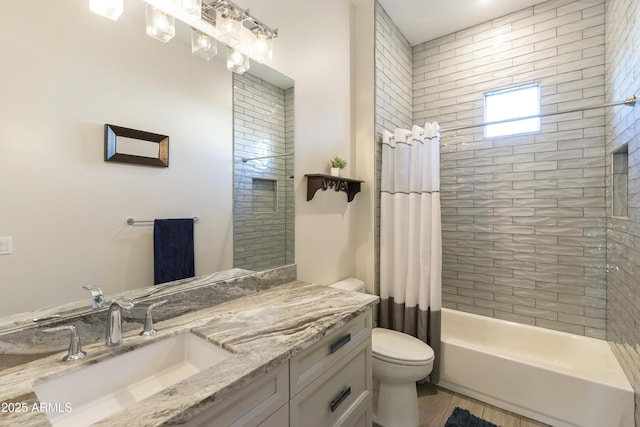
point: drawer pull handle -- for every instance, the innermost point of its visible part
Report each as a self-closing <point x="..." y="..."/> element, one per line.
<point x="340" y="342"/>
<point x="340" y="398"/>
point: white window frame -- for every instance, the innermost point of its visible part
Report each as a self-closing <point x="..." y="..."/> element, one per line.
<point x="523" y="101"/>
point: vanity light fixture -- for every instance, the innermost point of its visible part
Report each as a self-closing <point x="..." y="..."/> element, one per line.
<point x="111" y="9"/>
<point x="160" y="25"/>
<point x="203" y="44"/>
<point x="211" y="21"/>
<point x="237" y="61"/>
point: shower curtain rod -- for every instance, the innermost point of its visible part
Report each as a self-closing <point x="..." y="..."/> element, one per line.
<point x="245" y="160"/>
<point x="630" y="101"/>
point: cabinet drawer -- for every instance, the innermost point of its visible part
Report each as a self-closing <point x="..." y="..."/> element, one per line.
<point x="280" y="418"/>
<point x="333" y="399"/>
<point x="251" y="405"/>
<point x="358" y="415"/>
<point x="317" y="359"/>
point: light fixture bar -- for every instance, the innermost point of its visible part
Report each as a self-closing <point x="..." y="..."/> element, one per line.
<point x="210" y="20"/>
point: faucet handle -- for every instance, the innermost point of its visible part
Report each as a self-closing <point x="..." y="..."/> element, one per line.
<point x="75" y="349"/>
<point x="127" y="304"/>
<point x="148" y="319"/>
<point x="97" y="294"/>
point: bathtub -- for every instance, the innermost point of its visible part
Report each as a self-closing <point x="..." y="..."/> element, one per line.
<point x="554" y="377"/>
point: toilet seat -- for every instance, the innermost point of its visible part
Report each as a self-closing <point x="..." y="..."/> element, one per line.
<point x="401" y="349"/>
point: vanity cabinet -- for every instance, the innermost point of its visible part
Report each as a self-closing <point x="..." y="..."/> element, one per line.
<point x="327" y="384"/>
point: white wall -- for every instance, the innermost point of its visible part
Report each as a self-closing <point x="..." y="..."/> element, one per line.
<point x="315" y="48"/>
<point x="66" y="72"/>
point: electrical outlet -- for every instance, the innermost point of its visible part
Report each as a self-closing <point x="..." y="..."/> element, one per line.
<point x="6" y="245"/>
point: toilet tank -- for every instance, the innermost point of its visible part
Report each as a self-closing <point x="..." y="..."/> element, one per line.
<point x="349" y="284"/>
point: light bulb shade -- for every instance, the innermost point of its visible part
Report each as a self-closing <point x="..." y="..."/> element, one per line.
<point x="229" y="28"/>
<point x="247" y="41"/>
<point x="237" y="61"/>
<point x="262" y="48"/>
<point x="111" y="9"/>
<point x="191" y="10"/>
<point x="160" y="25"/>
<point x="203" y="44"/>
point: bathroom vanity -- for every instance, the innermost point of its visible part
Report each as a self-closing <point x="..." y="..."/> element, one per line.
<point x="295" y="354"/>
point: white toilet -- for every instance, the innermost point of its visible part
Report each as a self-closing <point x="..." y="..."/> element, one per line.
<point x="399" y="360"/>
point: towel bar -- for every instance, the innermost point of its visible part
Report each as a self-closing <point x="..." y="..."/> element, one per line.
<point x="132" y="221"/>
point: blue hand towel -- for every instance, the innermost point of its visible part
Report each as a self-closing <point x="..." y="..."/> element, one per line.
<point x="173" y="254"/>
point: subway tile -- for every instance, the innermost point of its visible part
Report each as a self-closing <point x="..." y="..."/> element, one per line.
<point x="457" y="299"/>
<point x="514" y="247"/>
<point x="561" y="307"/>
<point x="515" y="300"/>
<point x="536" y="312"/>
<point x="537" y="294"/>
<point x="495" y="288"/>
<point x="514" y="317"/>
<point x="560" y="326"/>
<point x="475" y="310"/>
<point x="582" y="320"/>
<point x="494" y="305"/>
<point x="476" y="294"/>
<point x="471" y="276"/>
<point x="535" y="184"/>
<point x="515" y="282"/>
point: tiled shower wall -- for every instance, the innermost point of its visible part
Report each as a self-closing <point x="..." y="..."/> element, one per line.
<point x="523" y="217"/>
<point x="623" y="234"/>
<point x="263" y="199"/>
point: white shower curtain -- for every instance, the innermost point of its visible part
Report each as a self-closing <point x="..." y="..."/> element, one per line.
<point x="410" y="235"/>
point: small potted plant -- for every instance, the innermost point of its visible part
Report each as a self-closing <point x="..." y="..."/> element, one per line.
<point x="337" y="164"/>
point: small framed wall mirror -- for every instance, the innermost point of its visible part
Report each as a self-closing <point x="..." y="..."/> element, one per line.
<point x="126" y="145"/>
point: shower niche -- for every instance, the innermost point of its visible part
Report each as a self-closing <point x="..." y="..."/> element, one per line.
<point x="620" y="182"/>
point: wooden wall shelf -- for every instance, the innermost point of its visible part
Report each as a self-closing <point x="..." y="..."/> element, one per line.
<point x="319" y="181"/>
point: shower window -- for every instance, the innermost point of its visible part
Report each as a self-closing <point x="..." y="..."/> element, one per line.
<point x="512" y="103"/>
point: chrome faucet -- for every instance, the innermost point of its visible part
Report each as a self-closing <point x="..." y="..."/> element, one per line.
<point x="75" y="349"/>
<point x="97" y="296"/>
<point x="114" y="321"/>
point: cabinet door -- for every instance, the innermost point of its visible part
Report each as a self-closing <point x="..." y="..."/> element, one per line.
<point x="330" y="400"/>
<point x="251" y="405"/>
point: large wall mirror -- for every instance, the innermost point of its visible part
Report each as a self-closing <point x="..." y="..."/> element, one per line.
<point x="63" y="205"/>
<point x="263" y="172"/>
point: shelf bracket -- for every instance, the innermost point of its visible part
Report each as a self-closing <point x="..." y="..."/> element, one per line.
<point x="316" y="182"/>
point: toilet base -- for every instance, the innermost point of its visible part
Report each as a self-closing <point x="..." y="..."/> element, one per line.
<point x="395" y="405"/>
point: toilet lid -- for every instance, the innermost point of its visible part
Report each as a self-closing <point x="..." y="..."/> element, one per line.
<point x="396" y="347"/>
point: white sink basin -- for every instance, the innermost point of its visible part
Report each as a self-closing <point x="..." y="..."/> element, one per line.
<point x="100" y="390"/>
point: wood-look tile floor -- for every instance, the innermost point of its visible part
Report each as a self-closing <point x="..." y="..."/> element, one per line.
<point x="436" y="405"/>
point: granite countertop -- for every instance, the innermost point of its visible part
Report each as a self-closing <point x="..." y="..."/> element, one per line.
<point x="262" y="330"/>
<point x="19" y="321"/>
